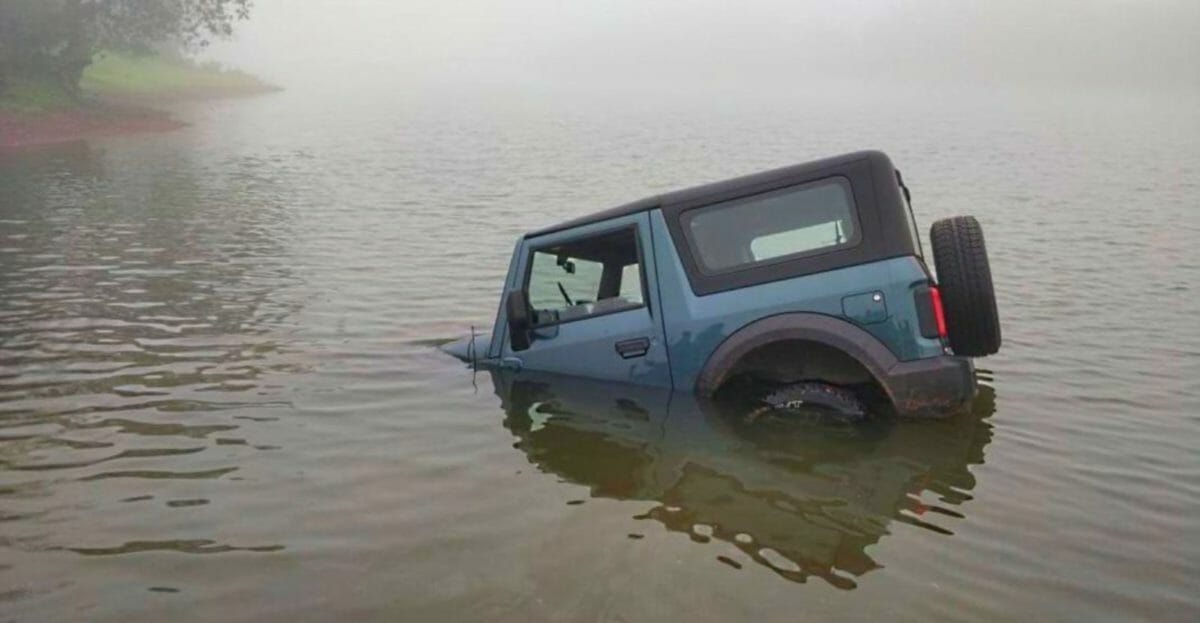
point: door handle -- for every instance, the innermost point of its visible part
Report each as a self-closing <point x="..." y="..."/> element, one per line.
<point x="637" y="347"/>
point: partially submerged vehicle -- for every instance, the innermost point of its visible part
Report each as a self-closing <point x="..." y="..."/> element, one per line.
<point x="809" y="281"/>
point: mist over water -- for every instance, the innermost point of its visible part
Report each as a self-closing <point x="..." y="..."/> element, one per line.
<point x="220" y="396"/>
<point x="716" y="47"/>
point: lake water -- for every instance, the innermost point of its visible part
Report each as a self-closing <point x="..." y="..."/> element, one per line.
<point x="220" y="397"/>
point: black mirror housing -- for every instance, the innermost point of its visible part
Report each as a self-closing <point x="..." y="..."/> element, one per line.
<point x="517" y="310"/>
<point x="566" y="264"/>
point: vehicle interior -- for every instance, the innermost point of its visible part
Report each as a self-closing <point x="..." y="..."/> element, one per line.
<point x="586" y="277"/>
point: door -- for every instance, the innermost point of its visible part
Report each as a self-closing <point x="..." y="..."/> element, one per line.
<point x="593" y="292"/>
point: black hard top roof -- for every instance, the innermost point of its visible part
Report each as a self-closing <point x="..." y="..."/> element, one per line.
<point x="722" y="188"/>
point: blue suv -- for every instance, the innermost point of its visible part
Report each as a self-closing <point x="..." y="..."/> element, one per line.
<point x="808" y="282"/>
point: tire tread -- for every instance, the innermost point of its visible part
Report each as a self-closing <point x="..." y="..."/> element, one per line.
<point x="965" y="278"/>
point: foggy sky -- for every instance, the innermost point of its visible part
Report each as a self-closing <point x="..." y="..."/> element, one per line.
<point x="665" y="44"/>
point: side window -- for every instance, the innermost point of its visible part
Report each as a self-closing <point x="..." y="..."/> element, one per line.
<point x="631" y="284"/>
<point x="791" y="222"/>
<point x="585" y="277"/>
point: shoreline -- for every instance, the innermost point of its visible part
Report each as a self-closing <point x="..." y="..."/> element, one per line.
<point x="30" y="129"/>
<point x="123" y="95"/>
<point x="107" y="116"/>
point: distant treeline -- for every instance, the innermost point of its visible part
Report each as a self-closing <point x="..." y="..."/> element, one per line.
<point x="56" y="40"/>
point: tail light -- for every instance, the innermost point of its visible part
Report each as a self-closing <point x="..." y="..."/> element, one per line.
<point x="939" y="313"/>
<point x="931" y="316"/>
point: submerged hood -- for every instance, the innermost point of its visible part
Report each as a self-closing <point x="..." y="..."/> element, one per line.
<point x="467" y="348"/>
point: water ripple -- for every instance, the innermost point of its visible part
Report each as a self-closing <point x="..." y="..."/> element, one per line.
<point x="229" y="333"/>
<point x="183" y="546"/>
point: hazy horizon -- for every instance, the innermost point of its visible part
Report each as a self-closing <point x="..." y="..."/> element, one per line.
<point x="698" y="46"/>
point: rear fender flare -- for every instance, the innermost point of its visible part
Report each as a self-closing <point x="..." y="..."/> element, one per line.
<point x="827" y="330"/>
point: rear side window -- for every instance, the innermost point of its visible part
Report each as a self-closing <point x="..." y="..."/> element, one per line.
<point x="792" y="222"/>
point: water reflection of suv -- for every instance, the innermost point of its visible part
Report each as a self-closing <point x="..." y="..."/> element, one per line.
<point x="804" y="500"/>
<point x="809" y="280"/>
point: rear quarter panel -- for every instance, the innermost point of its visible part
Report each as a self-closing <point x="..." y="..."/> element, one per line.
<point x="696" y="325"/>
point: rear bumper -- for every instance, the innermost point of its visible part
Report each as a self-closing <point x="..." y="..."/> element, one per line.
<point x="931" y="387"/>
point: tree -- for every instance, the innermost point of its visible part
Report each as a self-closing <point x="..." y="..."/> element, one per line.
<point x="57" y="39"/>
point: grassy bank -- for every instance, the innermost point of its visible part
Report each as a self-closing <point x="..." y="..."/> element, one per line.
<point x="115" y="76"/>
<point x="119" y="92"/>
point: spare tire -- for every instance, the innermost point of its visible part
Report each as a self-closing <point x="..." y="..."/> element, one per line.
<point x="965" y="282"/>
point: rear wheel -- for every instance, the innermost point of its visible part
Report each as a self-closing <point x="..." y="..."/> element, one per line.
<point x="818" y="401"/>
<point x="965" y="283"/>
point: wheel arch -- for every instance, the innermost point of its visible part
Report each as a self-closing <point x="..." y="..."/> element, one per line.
<point x="827" y="331"/>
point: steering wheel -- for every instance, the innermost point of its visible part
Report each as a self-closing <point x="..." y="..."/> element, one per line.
<point x="565" y="296"/>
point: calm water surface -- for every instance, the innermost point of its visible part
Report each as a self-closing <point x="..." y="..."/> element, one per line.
<point x="220" y="397"/>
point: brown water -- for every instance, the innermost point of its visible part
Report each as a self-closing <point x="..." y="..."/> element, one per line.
<point x="220" y="397"/>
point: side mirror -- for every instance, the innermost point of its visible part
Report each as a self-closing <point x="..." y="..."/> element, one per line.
<point x="566" y="264"/>
<point x="517" y="310"/>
